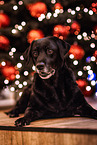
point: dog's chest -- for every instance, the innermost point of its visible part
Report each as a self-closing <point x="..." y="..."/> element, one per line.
<point x="56" y="99"/>
<point x="52" y="95"/>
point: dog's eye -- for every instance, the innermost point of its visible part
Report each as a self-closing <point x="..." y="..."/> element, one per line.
<point x="50" y="51"/>
<point x="35" y="53"/>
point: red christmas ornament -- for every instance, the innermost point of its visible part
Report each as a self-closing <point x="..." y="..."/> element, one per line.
<point x="36" y="9"/>
<point x="4" y="20"/>
<point x="82" y="84"/>
<point x="58" y="6"/>
<point x="94" y="7"/>
<point x="95" y="54"/>
<point x="88" y="93"/>
<point x="4" y="43"/>
<point x="95" y="30"/>
<point x="9" y="72"/>
<point x="77" y="51"/>
<point x="34" y="35"/>
<point x="75" y="28"/>
<point x="61" y="31"/>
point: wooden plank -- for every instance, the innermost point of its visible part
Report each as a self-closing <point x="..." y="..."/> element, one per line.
<point x="44" y="132"/>
<point x="60" y="123"/>
<point x="45" y="138"/>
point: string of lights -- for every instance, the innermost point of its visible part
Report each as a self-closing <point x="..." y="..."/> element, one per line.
<point x="91" y="38"/>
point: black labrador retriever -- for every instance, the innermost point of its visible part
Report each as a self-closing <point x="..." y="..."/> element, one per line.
<point x="54" y="92"/>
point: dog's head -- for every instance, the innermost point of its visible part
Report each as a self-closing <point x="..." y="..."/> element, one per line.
<point x="47" y="55"/>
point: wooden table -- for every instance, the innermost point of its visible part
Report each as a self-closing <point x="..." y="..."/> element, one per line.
<point x="63" y="131"/>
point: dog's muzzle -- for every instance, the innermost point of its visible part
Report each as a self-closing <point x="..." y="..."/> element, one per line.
<point x="43" y="71"/>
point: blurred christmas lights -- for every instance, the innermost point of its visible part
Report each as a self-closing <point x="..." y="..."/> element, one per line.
<point x="26" y="73"/>
<point x="84" y="36"/>
<point x="15" y="7"/>
<point x="3" y="63"/>
<point x="6" y="81"/>
<point x="80" y="73"/>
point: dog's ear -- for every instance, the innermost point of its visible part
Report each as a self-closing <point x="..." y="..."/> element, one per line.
<point x="64" y="47"/>
<point x="27" y="54"/>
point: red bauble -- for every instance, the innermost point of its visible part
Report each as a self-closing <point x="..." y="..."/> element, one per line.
<point x="4" y="43"/>
<point x="4" y="20"/>
<point x="95" y="29"/>
<point x="61" y="31"/>
<point x="75" y="28"/>
<point x="95" y="54"/>
<point x="77" y="51"/>
<point x="9" y="72"/>
<point x="88" y="93"/>
<point x="36" y="9"/>
<point x="34" y="35"/>
<point x="82" y="84"/>
<point x="58" y="6"/>
<point x="94" y="7"/>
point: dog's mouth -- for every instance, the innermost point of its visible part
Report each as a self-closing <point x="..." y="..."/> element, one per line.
<point x="46" y="75"/>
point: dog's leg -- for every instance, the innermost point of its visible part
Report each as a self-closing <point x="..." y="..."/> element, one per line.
<point x="87" y="111"/>
<point x="79" y="106"/>
<point x="83" y="108"/>
<point x="21" y="105"/>
<point x="30" y="115"/>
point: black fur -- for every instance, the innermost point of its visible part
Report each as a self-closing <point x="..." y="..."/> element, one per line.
<point x="53" y="97"/>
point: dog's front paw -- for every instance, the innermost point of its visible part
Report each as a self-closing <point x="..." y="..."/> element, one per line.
<point x="12" y="113"/>
<point x="22" y="121"/>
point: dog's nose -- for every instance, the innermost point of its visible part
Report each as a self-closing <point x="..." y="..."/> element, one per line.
<point x="40" y="66"/>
